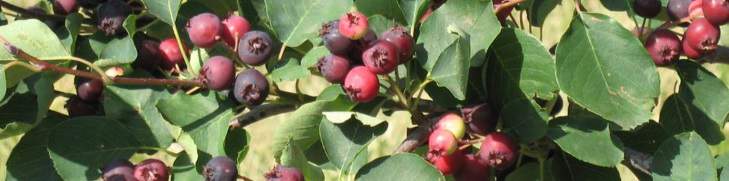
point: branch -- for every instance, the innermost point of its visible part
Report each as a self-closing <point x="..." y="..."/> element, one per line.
<point x="33" y="14"/>
<point x="418" y="136"/>
<point x="260" y="112"/>
<point x="506" y="5"/>
<point x="638" y="160"/>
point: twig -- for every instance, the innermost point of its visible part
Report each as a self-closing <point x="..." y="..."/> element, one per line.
<point x="638" y="160"/>
<point x="33" y="14"/>
<point x="418" y="136"/>
<point x="507" y="5"/>
<point x="260" y="112"/>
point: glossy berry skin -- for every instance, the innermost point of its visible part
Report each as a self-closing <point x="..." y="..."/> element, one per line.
<point x="151" y="170"/>
<point x="452" y="122"/>
<point x="77" y="107"/>
<point x="689" y="51"/>
<point x="702" y="35"/>
<point x="217" y="73"/>
<point x="480" y="119"/>
<point x="473" y="170"/>
<point x="399" y="37"/>
<point x="118" y="170"/>
<point x="449" y="164"/>
<point x="220" y="168"/>
<point x="441" y="142"/>
<point x="664" y="46"/>
<point x="234" y="27"/>
<point x="695" y="10"/>
<point x="64" y="7"/>
<point x="498" y="151"/>
<point x="361" y="85"/>
<point x="255" y="48"/>
<point x="89" y="90"/>
<point x="335" y="42"/>
<point x="251" y="87"/>
<point x="111" y="15"/>
<point x="647" y="8"/>
<point x="171" y="55"/>
<point x="203" y="29"/>
<point x="716" y="11"/>
<point x="334" y="68"/>
<point x="283" y="173"/>
<point x="382" y="58"/>
<point x="678" y="9"/>
<point x="353" y="25"/>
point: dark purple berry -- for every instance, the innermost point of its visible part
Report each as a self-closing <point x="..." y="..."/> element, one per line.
<point x="334" y="68"/>
<point x="220" y="169"/>
<point x="77" y="107"/>
<point x="203" y="29"/>
<point x="664" y="46"/>
<point x="151" y="170"/>
<point x="217" y="73"/>
<point x="251" y="87"/>
<point x="399" y="37"/>
<point x="148" y="54"/>
<point x="64" y="7"/>
<point x="480" y="118"/>
<point x="111" y="15"/>
<point x="118" y="170"/>
<point x="382" y="58"/>
<point x="333" y="40"/>
<point x="647" y="8"/>
<point x="678" y="9"/>
<point x="89" y="90"/>
<point x="283" y="173"/>
<point x="255" y="48"/>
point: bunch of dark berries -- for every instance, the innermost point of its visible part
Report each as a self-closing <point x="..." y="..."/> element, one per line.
<point x="217" y="169"/>
<point x="357" y="55"/>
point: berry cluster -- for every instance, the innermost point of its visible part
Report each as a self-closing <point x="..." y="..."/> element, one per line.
<point x="357" y="55"/>
<point x="217" y="169"/>
<point x="447" y="152"/>
<point x="701" y="36"/>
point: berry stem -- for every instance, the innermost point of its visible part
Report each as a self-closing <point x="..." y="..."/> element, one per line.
<point x="42" y="16"/>
<point x="93" y="67"/>
<point x="418" y="92"/>
<point x="507" y="5"/>
<point x="181" y="46"/>
<point x="396" y="88"/>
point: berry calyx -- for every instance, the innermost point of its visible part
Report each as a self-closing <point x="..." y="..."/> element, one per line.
<point x="171" y="54"/>
<point x="118" y="170"/>
<point x="220" y="168"/>
<point x="353" y="25"/>
<point x="689" y="51"/>
<point x="283" y="173"/>
<point x="334" y="68"/>
<point x="441" y="142"/>
<point x="647" y="8"/>
<point x="664" y="46"/>
<point x="678" y="9"/>
<point x="381" y="58"/>
<point x="716" y="11"/>
<point x="449" y="164"/>
<point x="111" y="16"/>
<point x="473" y="170"/>
<point x="89" y="90"/>
<point x="480" y="118"/>
<point x="361" y="85"/>
<point x="255" y="48"/>
<point x="335" y="42"/>
<point x="151" y="170"/>
<point x="251" y="87"/>
<point x="64" y="7"/>
<point x="234" y="28"/>
<point x="453" y="123"/>
<point x="702" y="35"/>
<point x="498" y="151"/>
<point x="203" y="29"/>
<point x="399" y="37"/>
<point x="217" y="73"/>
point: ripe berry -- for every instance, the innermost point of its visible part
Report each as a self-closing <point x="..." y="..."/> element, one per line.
<point x="498" y="151"/>
<point x="359" y="46"/>
<point x="702" y="35"/>
<point x="77" y="107"/>
<point x="647" y="8"/>
<point x="678" y="9"/>
<point x="695" y="10"/>
<point x="381" y="58"/>
<point x="361" y="85"/>
<point x="452" y="122"/>
<point x="473" y="170"/>
<point x="203" y="29"/>
<point x="664" y="46"/>
<point x="88" y="90"/>
<point x="480" y="118"/>
<point x="64" y="7"/>
<point x="234" y="28"/>
<point x="217" y="73"/>
<point x="283" y="173"/>
<point x="716" y="11"/>
<point x="148" y="54"/>
<point x="334" y="68"/>
<point x="504" y="13"/>
<point x="171" y="54"/>
<point x="399" y="37"/>
<point x="333" y="40"/>
<point x="111" y="16"/>
<point x="441" y="142"/>
<point x="118" y="170"/>
<point x="151" y="170"/>
<point x="255" y="48"/>
<point x="251" y="87"/>
<point x="353" y="25"/>
<point x="689" y="51"/>
<point x="220" y="168"/>
<point x="448" y="164"/>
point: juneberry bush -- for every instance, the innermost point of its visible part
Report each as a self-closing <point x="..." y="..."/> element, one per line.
<point x="293" y="90"/>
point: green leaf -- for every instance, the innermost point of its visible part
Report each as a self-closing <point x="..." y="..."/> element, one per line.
<point x="117" y="52"/>
<point x="289" y="71"/>
<point x="724" y="174"/>
<point x="313" y="56"/>
<point x="198" y="56"/>
<point x="683" y="157"/>
<point x="583" y="136"/>
<point x="304" y="130"/>
<point x="236" y="144"/>
<point x="184" y="169"/>
<point x="70" y="31"/>
<point x="3" y="83"/>
<point x="523" y="118"/>
<point x="339" y="117"/>
<point x="29" y="160"/>
<point x="28" y="105"/>
<point x="388" y="9"/>
<point x="296" y="21"/>
<point x="130" y="25"/>
<point x="530" y="172"/>
<point x="401" y="166"/>
<point x="413" y="10"/>
<point x="79" y="147"/>
<point x="475" y="18"/>
<point x="565" y="167"/>
<point x="33" y="37"/>
<point x="293" y="156"/>
<point x="344" y="141"/>
<point x="701" y="104"/>
<point x="165" y="10"/>
<point x="451" y="69"/>
<point x="621" y="89"/>
<point x="134" y="106"/>
<point x="379" y="23"/>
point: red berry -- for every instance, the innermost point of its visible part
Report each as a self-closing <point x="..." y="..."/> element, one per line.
<point x="334" y="68"/>
<point x="664" y="46"/>
<point x="473" y="170"/>
<point x="171" y="54"/>
<point x="441" y="142"/>
<point x="217" y="73"/>
<point x="255" y="48"/>
<point x="64" y="6"/>
<point x="448" y="164"/>
<point x="381" y="58"/>
<point x="399" y="37"/>
<point x="283" y="173"/>
<point x="204" y="29"/>
<point x="234" y="28"/>
<point x="353" y="25"/>
<point x="716" y="11"/>
<point x="647" y="8"/>
<point x="498" y="151"/>
<point x="689" y="51"/>
<point x="151" y="170"/>
<point x="335" y="42"/>
<point x="361" y="85"/>
<point x="695" y="9"/>
<point x="453" y="123"/>
<point x="480" y="118"/>
<point x="702" y="35"/>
